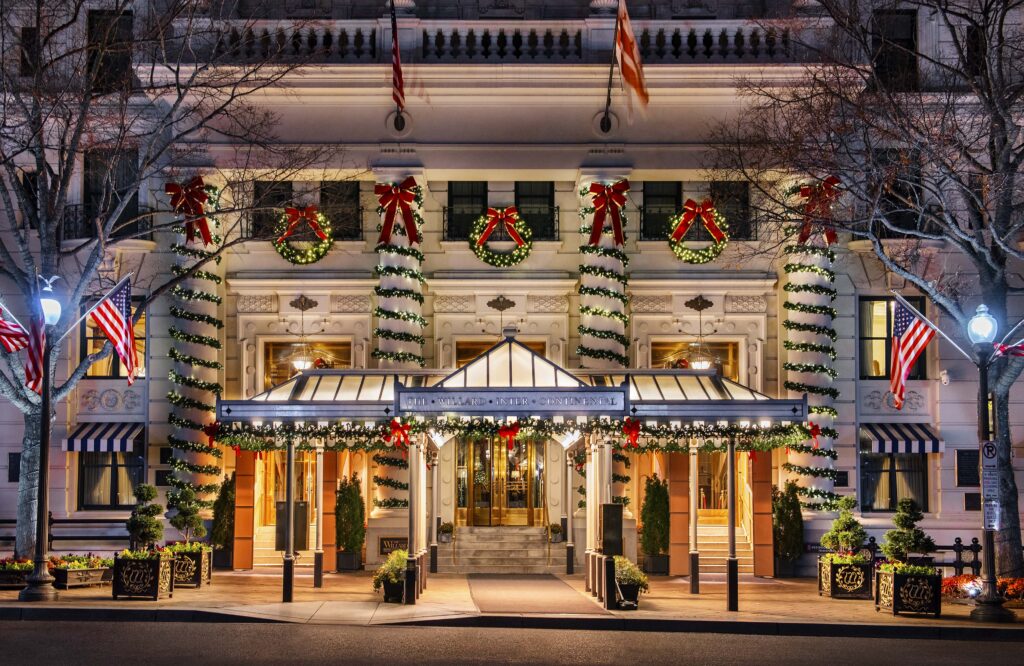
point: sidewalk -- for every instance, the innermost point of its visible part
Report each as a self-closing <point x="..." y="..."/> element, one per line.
<point x="766" y="607"/>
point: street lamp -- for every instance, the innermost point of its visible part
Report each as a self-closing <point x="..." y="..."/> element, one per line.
<point x="40" y="583"/>
<point x="981" y="330"/>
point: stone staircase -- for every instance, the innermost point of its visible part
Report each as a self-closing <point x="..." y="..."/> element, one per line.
<point x="501" y="550"/>
<point x="713" y="544"/>
<point x="264" y="554"/>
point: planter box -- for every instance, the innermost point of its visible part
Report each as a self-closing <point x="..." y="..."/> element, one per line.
<point x="444" y="537"/>
<point x="786" y="569"/>
<point x="13" y="580"/>
<point x="152" y="578"/>
<point x="656" y="565"/>
<point x="68" y="578"/>
<point x="556" y="538"/>
<point x="630" y="596"/>
<point x="844" y="581"/>
<point x="345" y="561"/>
<point x="193" y="569"/>
<point x="908" y="593"/>
<point x="223" y="558"/>
<point x="394" y="592"/>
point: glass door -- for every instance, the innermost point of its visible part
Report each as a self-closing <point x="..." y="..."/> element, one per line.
<point x="500" y="485"/>
<point x="272" y="485"/>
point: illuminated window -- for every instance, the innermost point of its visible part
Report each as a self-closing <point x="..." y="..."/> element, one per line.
<point x="675" y="354"/>
<point x="92" y="341"/>
<point x="467" y="350"/>
<point x="108" y="480"/>
<point x="876" y="338"/>
<point x="278" y="357"/>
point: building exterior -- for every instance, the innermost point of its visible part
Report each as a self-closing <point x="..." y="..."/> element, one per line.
<point x="504" y="106"/>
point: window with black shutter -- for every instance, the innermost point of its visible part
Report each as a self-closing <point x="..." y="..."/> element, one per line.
<point x="899" y="177"/>
<point x="269" y="200"/>
<point x="732" y="200"/>
<point x="339" y="202"/>
<point x="535" y="201"/>
<point x="110" y="50"/>
<point x="13" y="467"/>
<point x="975" y="51"/>
<point x="467" y="200"/>
<point x="662" y="200"/>
<point x="30" y="188"/>
<point x="111" y="179"/>
<point x="29" y="44"/>
<point x="894" y="49"/>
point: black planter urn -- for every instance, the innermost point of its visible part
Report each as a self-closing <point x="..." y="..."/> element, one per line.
<point x="394" y="592"/>
<point x="68" y="578"/>
<point x="153" y="578"/>
<point x="656" y="565"/>
<point x="630" y="596"/>
<point x="346" y="561"/>
<point x="844" y="581"/>
<point x="192" y="569"/>
<point x="908" y="593"/>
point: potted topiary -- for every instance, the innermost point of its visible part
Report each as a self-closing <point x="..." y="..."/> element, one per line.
<point x="445" y="532"/>
<point x="143" y="570"/>
<point x="390" y="576"/>
<point x="787" y="529"/>
<point x="349" y="524"/>
<point x="193" y="560"/>
<point x="845" y="573"/>
<point x="654" y="516"/>
<point x="630" y="582"/>
<point x="555" y="530"/>
<point x="903" y="584"/>
<point x="80" y="570"/>
<point x="222" y="533"/>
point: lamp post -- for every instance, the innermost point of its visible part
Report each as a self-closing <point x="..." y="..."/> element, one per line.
<point x="981" y="330"/>
<point x="40" y="583"/>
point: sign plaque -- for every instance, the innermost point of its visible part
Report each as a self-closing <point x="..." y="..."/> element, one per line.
<point x="990" y="485"/>
<point x="609" y="401"/>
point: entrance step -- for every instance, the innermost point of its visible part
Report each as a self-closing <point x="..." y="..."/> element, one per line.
<point x="501" y="550"/>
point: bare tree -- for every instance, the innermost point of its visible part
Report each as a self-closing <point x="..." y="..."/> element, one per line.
<point x="148" y="92"/>
<point x="927" y="142"/>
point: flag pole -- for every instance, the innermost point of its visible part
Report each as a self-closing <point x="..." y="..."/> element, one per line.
<point x="931" y="325"/>
<point x="399" y="119"/>
<point x="94" y="306"/>
<point x="606" y="121"/>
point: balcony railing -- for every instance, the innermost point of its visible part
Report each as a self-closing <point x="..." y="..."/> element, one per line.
<point x="542" y="220"/>
<point x="262" y="224"/>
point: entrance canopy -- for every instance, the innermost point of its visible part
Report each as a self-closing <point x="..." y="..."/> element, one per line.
<point x="507" y="382"/>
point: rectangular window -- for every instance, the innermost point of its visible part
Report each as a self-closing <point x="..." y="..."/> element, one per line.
<point x="662" y="200"/>
<point x="108" y="480"/>
<point x="732" y="199"/>
<point x="968" y="474"/>
<point x="876" y="314"/>
<point x="339" y="202"/>
<point x="467" y="200"/>
<point x="110" y="50"/>
<point x="92" y="341"/>
<point x="283" y="360"/>
<point x="535" y="201"/>
<point x="677" y="354"/>
<point x="30" y="188"/>
<point x="29" y="38"/>
<point x="111" y="179"/>
<point x="900" y="200"/>
<point x="13" y="467"/>
<point x="894" y="49"/>
<point x="268" y="201"/>
<point x="975" y="51"/>
<point x="886" y="478"/>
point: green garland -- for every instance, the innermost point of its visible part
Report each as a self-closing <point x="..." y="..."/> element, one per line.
<point x="398" y="293"/>
<point x="390" y="461"/>
<point x="601" y="334"/>
<point x="603" y="312"/>
<point x="604" y="293"/>
<point x="181" y="403"/>
<point x="382" y="271"/>
<point x="597" y="271"/>
<point x="810" y="347"/>
<point x="702" y="256"/>
<point x="313" y="251"/>
<point x="391" y="503"/>
<point x="390" y="483"/>
<point x="501" y="259"/>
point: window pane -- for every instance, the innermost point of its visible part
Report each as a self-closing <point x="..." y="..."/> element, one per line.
<point x="675" y="354"/>
<point x="111" y="178"/>
<point x="467" y="200"/>
<point x="910" y="471"/>
<point x="874" y="482"/>
<point x="873" y="358"/>
<point x="662" y="200"/>
<point x="279" y="358"/>
<point x="129" y="475"/>
<point x="339" y="201"/>
<point x="269" y="197"/>
<point x="95" y="479"/>
<point x="894" y="42"/>
<point x="110" y="50"/>
<point x="535" y="201"/>
<point x="732" y="199"/>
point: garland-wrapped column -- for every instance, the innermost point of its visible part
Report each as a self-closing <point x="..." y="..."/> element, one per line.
<point x="604" y="323"/>
<point x="390" y="481"/>
<point x="400" y="288"/>
<point x="811" y="355"/>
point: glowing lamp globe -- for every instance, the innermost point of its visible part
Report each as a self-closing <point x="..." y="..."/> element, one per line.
<point x="50" y="306"/>
<point x="982" y="327"/>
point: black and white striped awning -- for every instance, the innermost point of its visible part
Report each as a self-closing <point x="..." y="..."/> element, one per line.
<point x="902" y="438"/>
<point x="104" y="437"/>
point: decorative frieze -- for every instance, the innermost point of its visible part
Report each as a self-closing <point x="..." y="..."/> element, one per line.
<point x="101" y="400"/>
<point x="455" y="304"/>
<point x="256" y="303"/>
<point x="746" y="304"/>
<point x="547" y="304"/>
<point x="350" y="303"/>
<point x="647" y="304"/>
<point x="882" y="401"/>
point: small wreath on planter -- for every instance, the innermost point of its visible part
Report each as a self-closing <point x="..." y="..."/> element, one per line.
<point x="314" y="250"/>
<point x="693" y="214"/>
<point x="514" y="226"/>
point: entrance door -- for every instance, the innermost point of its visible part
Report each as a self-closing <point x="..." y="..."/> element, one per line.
<point x="273" y="476"/>
<point x="500" y="485"/>
<point x="712" y="500"/>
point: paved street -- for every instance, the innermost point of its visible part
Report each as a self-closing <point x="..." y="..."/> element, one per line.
<point x="171" y="643"/>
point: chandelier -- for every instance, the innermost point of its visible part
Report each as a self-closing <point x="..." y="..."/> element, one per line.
<point x="699" y="356"/>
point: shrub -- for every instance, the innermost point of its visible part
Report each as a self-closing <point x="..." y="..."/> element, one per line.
<point x="446" y="528"/>
<point x="555" y="528"/>
<point x="654" y="516"/>
<point x="787" y="522"/>
<point x="144" y="554"/>
<point x="847" y="534"/>
<point x="186" y="519"/>
<point x="350" y="516"/>
<point x="907" y="538"/>
<point x="144" y="529"/>
<point x="222" y="534"/>
<point x="392" y="570"/>
<point x="906" y="569"/>
<point x="627" y="573"/>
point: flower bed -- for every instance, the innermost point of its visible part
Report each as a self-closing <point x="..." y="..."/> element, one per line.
<point x="80" y="570"/>
<point x="966" y="587"/>
<point x="13" y="573"/>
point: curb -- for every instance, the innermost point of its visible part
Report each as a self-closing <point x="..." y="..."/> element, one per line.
<point x="107" y="614"/>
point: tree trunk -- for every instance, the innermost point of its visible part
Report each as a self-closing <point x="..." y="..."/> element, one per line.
<point x="28" y="480"/>
<point x="1009" y="558"/>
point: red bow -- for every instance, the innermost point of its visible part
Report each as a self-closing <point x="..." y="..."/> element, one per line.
<point x="211" y="430"/>
<point x="691" y="211"/>
<point x="815" y="431"/>
<point x="819" y="207"/>
<point x="399" y="433"/>
<point x="190" y="201"/>
<point x="1009" y="350"/>
<point x="509" y="433"/>
<point x="608" y="198"/>
<point x="392" y="198"/>
<point x="296" y="215"/>
<point x="631" y="429"/>
<point x="508" y="218"/>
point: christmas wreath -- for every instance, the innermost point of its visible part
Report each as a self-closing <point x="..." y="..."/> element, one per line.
<point x="713" y="222"/>
<point x="509" y="220"/>
<point x="314" y="250"/>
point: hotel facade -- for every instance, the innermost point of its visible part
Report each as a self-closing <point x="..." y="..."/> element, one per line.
<point x="504" y="108"/>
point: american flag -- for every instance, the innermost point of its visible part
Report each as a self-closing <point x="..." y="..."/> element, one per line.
<point x="628" y="56"/>
<point x="34" y="365"/>
<point x="113" y="315"/>
<point x="13" y="336"/>
<point x="910" y="335"/>
<point x="397" y="82"/>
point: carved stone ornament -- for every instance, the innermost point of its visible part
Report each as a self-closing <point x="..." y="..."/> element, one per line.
<point x="746" y="304"/>
<point x="547" y="303"/>
<point x="257" y="303"/>
<point x="883" y="401"/>
<point x="350" y="303"/>
<point x="642" y="304"/>
<point x="455" y="304"/>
